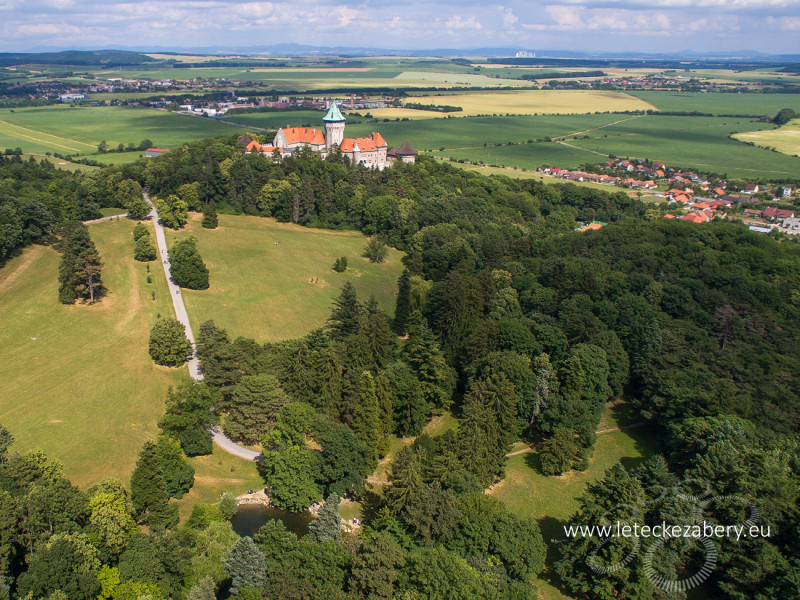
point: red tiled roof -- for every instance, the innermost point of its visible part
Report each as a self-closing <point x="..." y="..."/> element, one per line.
<point x="377" y="138"/>
<point x="303" y="135"/>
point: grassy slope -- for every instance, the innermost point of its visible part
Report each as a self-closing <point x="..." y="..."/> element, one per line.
<point x="86" y="392"/>
<point x="264" y="291"/>
<point x="78" y="130"/>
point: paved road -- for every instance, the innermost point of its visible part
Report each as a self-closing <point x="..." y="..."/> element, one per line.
<point x="174" y="291"/>
<point x="196" y="373"/>
<point x="101" y="219"/>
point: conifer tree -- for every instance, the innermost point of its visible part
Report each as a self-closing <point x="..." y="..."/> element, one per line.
<point x="402" y="310"/>
<point x="376" y="342"/>
<point x="367" y="421"/>
<point x="149" y="493"/>
<point x="345" y="317"/>
<point x="205" y="589"/>
<point x="328" y="524"/>
<point x="246" y="565"/>
<point x="424" y="356"/>
<point x="406" y="480"/>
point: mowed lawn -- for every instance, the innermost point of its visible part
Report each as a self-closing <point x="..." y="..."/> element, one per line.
<point x="264" y="291"/>
<point x="78" y="130"/>
<point x="85" y="390"/>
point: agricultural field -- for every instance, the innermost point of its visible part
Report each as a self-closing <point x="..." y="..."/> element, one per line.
<point x="785" y="139"/>
<point x="458" y="133"/>
<point x="78" y="130"/>
<point x="766" y="105"/>
<point x="690" y="142"/>
<point x="264" y="291"/>
<point x="528" y="102"/>
<point x="77" y="381"/>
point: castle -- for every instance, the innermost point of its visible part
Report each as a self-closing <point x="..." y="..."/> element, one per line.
<point x="370" y="151"/>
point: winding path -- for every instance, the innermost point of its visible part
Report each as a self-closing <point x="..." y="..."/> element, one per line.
<point x="195" y="372"/>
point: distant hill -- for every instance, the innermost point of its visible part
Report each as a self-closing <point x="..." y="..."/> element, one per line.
<point x="85" y="58"/>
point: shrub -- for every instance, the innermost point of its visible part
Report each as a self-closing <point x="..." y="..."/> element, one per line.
<point x="375" y="250"/>
<point x="340" y="266"/>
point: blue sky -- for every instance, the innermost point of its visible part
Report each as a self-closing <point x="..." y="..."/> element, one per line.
<point x="771" y="26"/>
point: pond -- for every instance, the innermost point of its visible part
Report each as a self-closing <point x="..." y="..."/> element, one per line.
<point x="250" y="517"/>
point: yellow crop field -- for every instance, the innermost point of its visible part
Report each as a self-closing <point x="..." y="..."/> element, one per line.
<point x="309" y="69"/>
<point x="528" y="102"/>
<point x="784" y="139"/>
<point x="457" y="79"/>
<point x="404" y="113"/>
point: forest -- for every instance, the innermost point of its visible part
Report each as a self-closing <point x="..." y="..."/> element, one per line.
<point x="520" y="326"/>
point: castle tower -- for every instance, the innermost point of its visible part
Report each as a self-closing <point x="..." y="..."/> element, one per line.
<point x="334" y="126"/>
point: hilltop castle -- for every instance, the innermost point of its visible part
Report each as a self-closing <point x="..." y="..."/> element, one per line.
<point x="371" y="151"/>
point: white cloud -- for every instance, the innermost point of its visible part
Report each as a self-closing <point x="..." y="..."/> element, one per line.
<point x="456" y="22"/>
<point x="785" y="23"/>
<point x="509" y="20"/>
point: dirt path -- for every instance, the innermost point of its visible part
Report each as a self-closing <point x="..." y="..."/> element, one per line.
<point x="28" y="256"/>
<point x="561" y="137"/>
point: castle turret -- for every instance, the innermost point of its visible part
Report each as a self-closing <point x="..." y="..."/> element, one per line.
<point x="334" y="126"/>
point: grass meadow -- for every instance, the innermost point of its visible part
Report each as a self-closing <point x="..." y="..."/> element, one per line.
<point x="264" y="291"/>
<point x="85" y="390"/>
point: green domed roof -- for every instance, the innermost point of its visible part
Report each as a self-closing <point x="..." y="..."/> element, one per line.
<point x="334" y="114"/>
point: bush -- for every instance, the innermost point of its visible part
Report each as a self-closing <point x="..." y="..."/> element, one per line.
<point x="375" y="250"/>
<point x="169" y="345"/>
<point x="340" y="266"/>
<point x="210" y="220"/>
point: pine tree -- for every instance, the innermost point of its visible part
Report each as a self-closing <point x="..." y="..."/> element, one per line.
<point x="406" y="480"/>
<point x="346" y="315"/>
<point x="328" y="524"/>
<point x="246" y="565"/>
<point x="559" y="452"/>
<point x="423" y="355"/>
<point x="376" y="342"/>
<point x="149" y="493"/>
<point x="80" y="268"/>
<point x="367" y="421"/>
<point x="402" y="310"/>
<point x="210" y="219"/>
<point x="383" y="392"/>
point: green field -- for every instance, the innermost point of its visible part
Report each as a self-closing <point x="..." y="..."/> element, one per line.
<point x="78" y="130"/>
<point x="719" y="103"/>
<point x="85" y="391"/>
<point x="264" y="291"/>
<point x="689" y="142"/>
